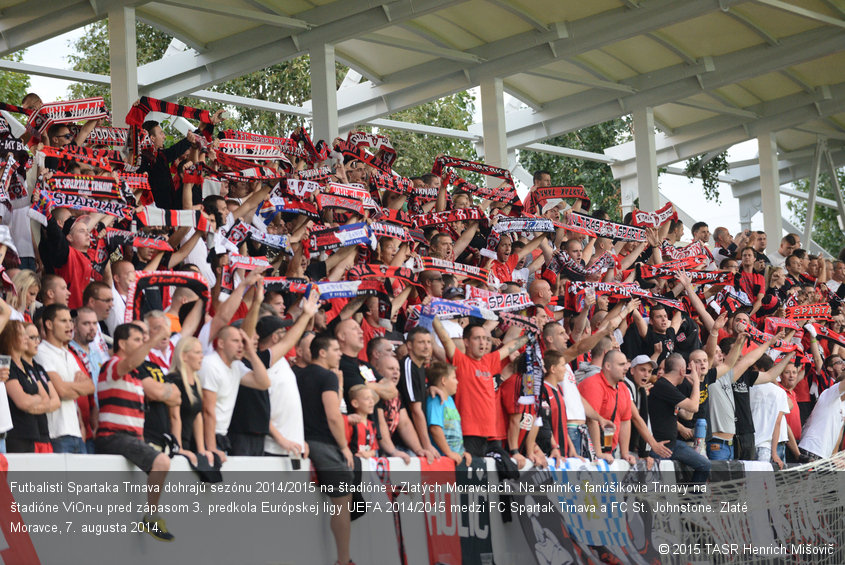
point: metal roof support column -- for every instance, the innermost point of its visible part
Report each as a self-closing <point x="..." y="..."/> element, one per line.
<point x="770" y="189"/>
<point x="493" y="122"/>
<point x="646" y="159"/>
<point x="747" y="208"/>
<point x="323" y="93"/>
<point x="834" y="182"/>
<point x="821" y="149"/>
<point x="123" y="62"/>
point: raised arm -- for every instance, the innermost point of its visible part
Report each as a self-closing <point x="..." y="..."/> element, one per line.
<point x="772" y="374"/>
<point x="696" y="302"/>
<point x="293" y="335"/>
<point x="445" y="338"/>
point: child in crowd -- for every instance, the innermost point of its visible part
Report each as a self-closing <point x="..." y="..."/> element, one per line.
<point x="444" y="420"/>
<point x="361" y="434"/>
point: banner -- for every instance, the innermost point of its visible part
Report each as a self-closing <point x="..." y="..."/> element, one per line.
<point x="819" y="311"/>
<point x="147" y="279"/>
<point x="67" y="112"/>
<point x="457" y="522"/>
<point x="498" y="302"/>
<point x="449" y="216"/>
<point x="251" y="150"/>
<point x="654" y="219"/>
<point x="606" y="228"/>
<point x="80" y="185"/>
<point x="350" y="234"/>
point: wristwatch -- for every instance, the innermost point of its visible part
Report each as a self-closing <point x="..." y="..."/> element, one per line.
<point x="513" y="452"/>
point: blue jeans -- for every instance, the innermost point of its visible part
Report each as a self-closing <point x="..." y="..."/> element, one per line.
<point x="89" y="446"/>
<point x="28" y="263"/>
<point x="683" y="453"/>
<point x="782" y="451"/>
<point x="68" y="444"/>
<point x="719" y="451"/>
<point x="578" y="440"/>
<point x="3" y="445"/>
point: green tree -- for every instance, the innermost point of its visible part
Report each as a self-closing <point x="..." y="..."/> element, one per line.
<point x="92" y="55"/>
<point x="288" y="82"/>
<point x="596" y="177"/>
<point x="826" y="231"/>
<point x="13" y="86"/>
<point x="416" y="151"/>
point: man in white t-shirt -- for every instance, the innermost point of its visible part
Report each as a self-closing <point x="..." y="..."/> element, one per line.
<point x="837" y="278"/>
<point x="578" y="410"/>
<point x="67" y="378"/>
<point x="221" y="374"/>
<point x="769" y="406"/>
<point x="123" y="275"/>
<point x="822" y="433"/>
<point x="287" y="430"/>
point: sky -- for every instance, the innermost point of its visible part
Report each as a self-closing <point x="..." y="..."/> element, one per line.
<point x="687" y="195"/>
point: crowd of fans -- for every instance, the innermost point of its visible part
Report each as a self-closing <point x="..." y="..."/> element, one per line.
<point x="310" y="303"/>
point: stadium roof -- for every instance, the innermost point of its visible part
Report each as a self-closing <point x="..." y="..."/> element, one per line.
<point x="707" y="73"/>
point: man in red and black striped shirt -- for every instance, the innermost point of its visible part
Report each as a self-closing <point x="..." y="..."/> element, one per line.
<point x="121" y="428"/>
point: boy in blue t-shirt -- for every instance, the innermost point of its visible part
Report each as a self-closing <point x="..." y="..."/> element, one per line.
<point x="444" y="420"/>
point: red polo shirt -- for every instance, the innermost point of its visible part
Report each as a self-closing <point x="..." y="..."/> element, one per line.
<point x="604" y="398"/>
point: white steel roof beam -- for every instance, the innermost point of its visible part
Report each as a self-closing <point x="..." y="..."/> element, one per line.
<point x="333" y="23"/>
<point x="791" y="110"/>
<point x="525" y="51"/>
<point x="419" y="47"/>
<point x="240" y="13"/>
<point x="588" y="108"/>
<point x="28" y="23"/>
<point x="803" y="12"/>
<point x="520" y="12"/>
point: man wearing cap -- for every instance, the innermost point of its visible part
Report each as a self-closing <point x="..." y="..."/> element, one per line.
<point x="664" y="403"/>
<point x="637" y="382"/>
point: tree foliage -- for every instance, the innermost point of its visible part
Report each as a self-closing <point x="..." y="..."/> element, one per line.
<point x="289" y="83"/>
<point x="596" y="177"/>
<point x="709" y="172"/>
<point x="416" y="151"/>
<point x="13" y="86"/>
<point x="92" y="55"/>
<point x="826" y="231"/>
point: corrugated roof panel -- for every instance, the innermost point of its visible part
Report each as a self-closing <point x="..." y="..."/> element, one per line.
<point x="542" y="89"/>
<point x="738" y="95"/>
<point x="485" y="20"/>
<point x="714" y="34"/>
<point x="676" y="115"/>
<point x="771" y="86"/>
<point x="607" y="65"/>
<point x="780" y="23"/>
<point x="827" y="70"/>
<point x="383" y="59"/>
<point x="643" y="54"/>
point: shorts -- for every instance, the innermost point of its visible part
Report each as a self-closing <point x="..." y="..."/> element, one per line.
<point x="334" y="476"/>
<point x="131" y="447"/>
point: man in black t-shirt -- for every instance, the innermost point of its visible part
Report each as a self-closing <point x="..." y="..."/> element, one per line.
<point x="641" y="338"/>
<point x="319" y="393"/>
<point x="159" y="396"/>
<point x="413" y="385"/>
<point x="664" y="403"/>
<point x="767" y="372"/>
<point x="350" y="337"/>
